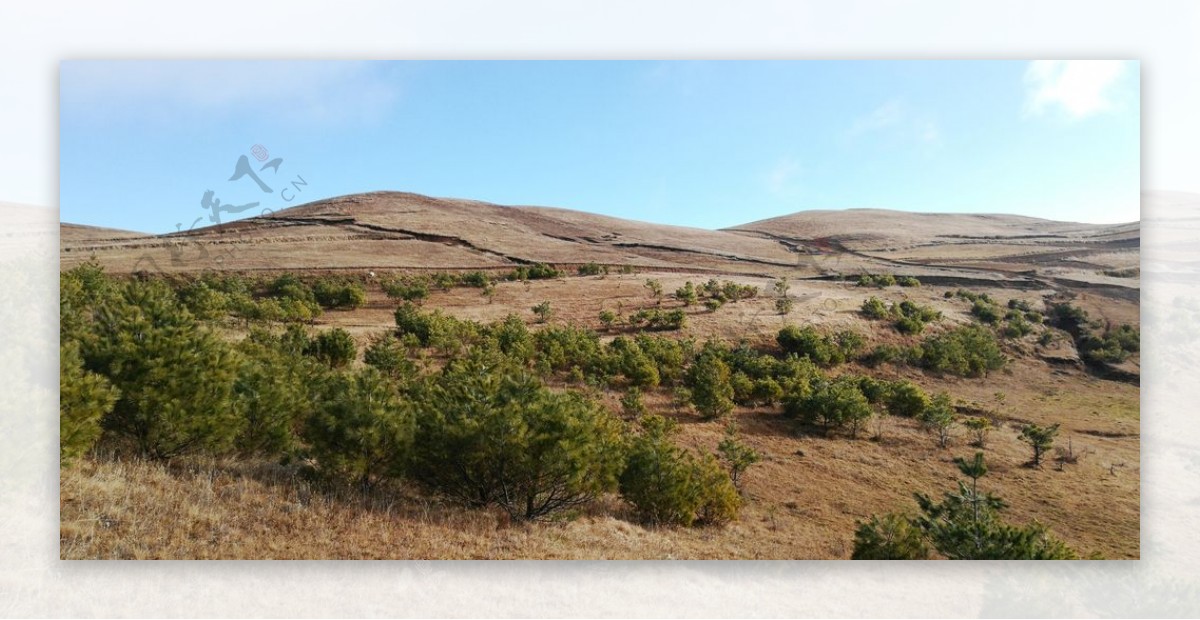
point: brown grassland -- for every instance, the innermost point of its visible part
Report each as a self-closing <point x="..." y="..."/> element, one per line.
<point x="801" y="502"/>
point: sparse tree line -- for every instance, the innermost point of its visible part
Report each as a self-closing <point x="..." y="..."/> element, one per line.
<point x="965" y="351"/>
<point x="1096" y="342"/>
<point x="974" y="351"/>
<point x="417" y="287"/>
<point x="285" y="298"/>
<point x="884" y="280"/>
<point x="712" y="294"/>
<point x="908" y="317"/>
<point x="1015" y="321"/>
<point x="1128" y="272"/>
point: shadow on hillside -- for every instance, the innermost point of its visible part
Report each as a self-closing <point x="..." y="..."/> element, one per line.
<point x="298" y="489"/>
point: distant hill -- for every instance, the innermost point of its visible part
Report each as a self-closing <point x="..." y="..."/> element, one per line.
<point x="879" y="228"/>
<point x="27" y="231"/>
<point x="397" y="230"/>
<point x="82" y="232"/>
<point x="403" y="230"/>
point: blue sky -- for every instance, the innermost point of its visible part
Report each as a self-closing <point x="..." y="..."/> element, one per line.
<point x="707" y="144"/>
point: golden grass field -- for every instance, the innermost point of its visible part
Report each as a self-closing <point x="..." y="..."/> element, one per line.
<point x="802" y="501"/>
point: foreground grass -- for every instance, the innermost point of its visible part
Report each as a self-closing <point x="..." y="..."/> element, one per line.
<point x="802" y="502"/>
<point x="240" y="510"/>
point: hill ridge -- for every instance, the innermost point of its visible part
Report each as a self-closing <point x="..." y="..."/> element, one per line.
<point x="405" y="230"/>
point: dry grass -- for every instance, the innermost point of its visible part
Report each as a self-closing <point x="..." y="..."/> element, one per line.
<point x="802" y="501"/>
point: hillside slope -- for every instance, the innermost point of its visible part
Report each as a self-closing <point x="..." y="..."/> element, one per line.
<point x="397" y="230"/>
<point x="402" y="230"/>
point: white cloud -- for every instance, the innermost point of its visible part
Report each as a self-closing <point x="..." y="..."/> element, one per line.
<point x="929" y="133"/>
<point x="1080" y="88"/>
<point x="886" y="115"/>
<point x="312" y="91"/>
<point x="895" y="122"/>
<point x="783" y="174"/>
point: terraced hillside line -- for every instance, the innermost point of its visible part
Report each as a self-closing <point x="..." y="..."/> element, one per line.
<point x="1065" y="254"/>
<point x="838" y="246"/>
<point x="732" y="257"/>
<point x="352" y="223"/>
<point x="455" y="241"/>
<point x="1016" y="281"/>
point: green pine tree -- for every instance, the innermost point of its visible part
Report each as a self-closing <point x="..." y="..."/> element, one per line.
<point x="277" y="387"/>
<point x="737" y="455"/>
<point x="939" y="418"/>
<point x="489" y="433"/>
<point x="965" y="525"/>
<point x="84" y="399"/>
<point x="1040" y="439"/>
<point x="712" y="392"/>
<point x="175" y="377"/>
<point x="889" y="537"/>
<point x="668" y="485"/>
<point x="360" y="430"/>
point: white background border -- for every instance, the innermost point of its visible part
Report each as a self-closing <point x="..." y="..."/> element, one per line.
<point x="35" y="38"/>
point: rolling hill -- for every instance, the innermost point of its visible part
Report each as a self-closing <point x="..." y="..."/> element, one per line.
<point x="405" y="231"/>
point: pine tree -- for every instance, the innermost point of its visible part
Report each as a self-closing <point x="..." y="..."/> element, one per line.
<point x="489" y="291"/>
<point x="767" y="391"/>
<point x="489" y="434"/>
<point x="175" y="377"/>
<point x="906" y="399"/>
<point x="1040" y="439"/>
<point x="939" y="418"/>
<point x="979" y="427"/>
<point x="832" y="404"/>
<point x="737" y="455"/>
<point x="687" y="294"/>
<point x="712" y="392"/>
<point x="671" y="486"/>
<point x="334" y="347"/>
<point x="84" y="399"/>
<point x="542" y="311"/>
<point x="276" y="389"/>
<point x="607" y="318"/>
<point x="632" y="404"/>
<point x="360" y="430"/>
<point x="889" y="537"/>
<point x="964" y="526"/>
<point x="389" y="356"/>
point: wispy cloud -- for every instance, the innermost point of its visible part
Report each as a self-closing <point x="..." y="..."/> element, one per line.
<point x="897" y="122"/>
<point x="1079" y="88"/>
<point x="929" y="132"/>
<point x="310" y="91"/>
<point x="887" y="115"/>
<point x="782" y="176"/>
